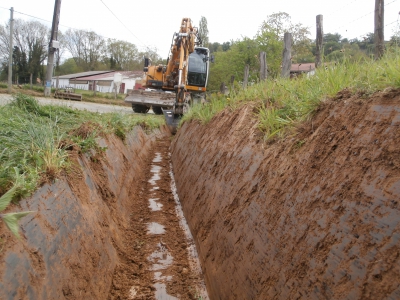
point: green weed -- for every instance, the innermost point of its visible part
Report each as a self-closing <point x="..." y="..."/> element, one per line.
<point x="11" y="219"/>
<point x="35" y="138"/>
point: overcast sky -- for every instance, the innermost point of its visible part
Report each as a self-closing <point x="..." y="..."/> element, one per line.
<point x="152" y="23"/>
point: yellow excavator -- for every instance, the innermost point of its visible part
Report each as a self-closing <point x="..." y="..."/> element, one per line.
<point x="172" y="88"/>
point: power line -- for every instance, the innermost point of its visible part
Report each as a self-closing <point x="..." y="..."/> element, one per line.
<point x="362" y="17"/>
<point x="341" y="8"/>
<point x="69" y="27"/>
<point x="124" y="25"/>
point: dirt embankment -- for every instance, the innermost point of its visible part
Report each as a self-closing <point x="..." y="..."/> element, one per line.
<point x="313" y="216"/>
<point x="69" y="246"/>
<point x="110" y="229"/>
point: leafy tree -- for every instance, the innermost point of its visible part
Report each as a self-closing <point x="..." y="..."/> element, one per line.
<point x="20" y="66"/>
<point x="122" y="55"/>
<point x="226" y="46"/>
<point x="58" y="55"/>
<point x="232" y="63"/>
<point x="270" y="40"/>
<point x="153" y="55"/>
<point x="203" y="31"/>
<point x="68" y="67"/>
<point x="30" y="38"/>
<point x="214" y="47"/>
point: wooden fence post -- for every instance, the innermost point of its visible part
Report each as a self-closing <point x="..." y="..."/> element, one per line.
<point x="222" y="88"/>
<point x="263" y="66"/>
<point x="319" y="41"/>
<point x="378" y="32"/>
<point x="287" y="55"/>
<point x="246" y="76"/>
<point x="232" y="81"/>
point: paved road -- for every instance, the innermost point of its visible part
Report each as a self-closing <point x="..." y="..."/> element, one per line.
<point x="81" y="105"/>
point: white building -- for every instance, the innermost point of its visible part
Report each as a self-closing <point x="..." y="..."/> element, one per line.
<point x="101" y="81"/>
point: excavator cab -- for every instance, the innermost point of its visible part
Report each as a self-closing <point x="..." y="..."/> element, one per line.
<point x="198" y="68"/>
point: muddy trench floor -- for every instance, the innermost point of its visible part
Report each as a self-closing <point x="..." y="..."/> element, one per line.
<point x="154" y="261"/>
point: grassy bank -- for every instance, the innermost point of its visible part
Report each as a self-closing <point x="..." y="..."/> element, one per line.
<point x="285" y="102"/>
<point x="34" y="139"/>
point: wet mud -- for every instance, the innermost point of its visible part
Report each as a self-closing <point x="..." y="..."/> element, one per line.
<point x="312" y="216"/>
<point x="158" y="261"/>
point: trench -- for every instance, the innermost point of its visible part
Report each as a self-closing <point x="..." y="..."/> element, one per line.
<point x="114" y="231"/>
<point x="315" y="215"/>
<point x="167" y="252"/>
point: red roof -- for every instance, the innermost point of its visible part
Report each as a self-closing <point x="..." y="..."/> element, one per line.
<point x="110" y="75"/>
<point x="304" y="67"/>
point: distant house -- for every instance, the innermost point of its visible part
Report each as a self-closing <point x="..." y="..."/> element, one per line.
<point x="74" y="79"/>
<point x="303" y="68"/>
<point x="101" y="81"/>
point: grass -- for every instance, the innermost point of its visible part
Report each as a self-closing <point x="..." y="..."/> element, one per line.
<point x="34" y="139"/>
<point x="285" y="102"/>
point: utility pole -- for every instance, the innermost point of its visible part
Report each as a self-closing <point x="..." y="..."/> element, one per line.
<point x="319" y="41"/>
<point x="53" y="46"/>
<point x="10" y="60"/>
<point x="378" y="32"/>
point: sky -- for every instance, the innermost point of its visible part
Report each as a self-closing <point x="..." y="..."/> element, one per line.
<point x="152" y="23"/>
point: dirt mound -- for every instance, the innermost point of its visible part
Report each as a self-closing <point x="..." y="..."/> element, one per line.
<point x="313" y="216"/>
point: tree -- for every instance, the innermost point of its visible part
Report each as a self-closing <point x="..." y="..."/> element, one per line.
<point x="270" y="40"/>
<point x="59" y="53"/>
<point x="30" y="39"/>
<point x="203" y="31"/>
<point x="68" y="67"/>
<point x="151" y="53"/>
<point x="87" y="48"/>
<point x="20" y="66"/>
<point x="122" y="55"/>
<point x="232" y="62"/>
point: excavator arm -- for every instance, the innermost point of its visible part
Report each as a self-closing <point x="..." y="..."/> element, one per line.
<point x="174" y="86"/>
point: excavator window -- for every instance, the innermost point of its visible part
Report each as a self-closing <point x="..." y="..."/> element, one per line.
<point x="197" y="70"/>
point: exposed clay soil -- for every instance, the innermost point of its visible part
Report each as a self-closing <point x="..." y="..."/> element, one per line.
<point x="315" y="215"/>
<point x="89" y="238"/>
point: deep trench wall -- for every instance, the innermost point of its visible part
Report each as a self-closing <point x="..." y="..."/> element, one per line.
<point x="68" y="248"/>
<point x="312" y="216"/>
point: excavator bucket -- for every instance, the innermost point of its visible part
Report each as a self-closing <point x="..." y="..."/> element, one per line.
<point x="172" y="120"/>
<point x="157" y="98"/>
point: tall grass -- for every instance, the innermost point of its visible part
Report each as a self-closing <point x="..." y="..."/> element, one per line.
<point x="34" y="138"/>
<point x="285" y="102"/>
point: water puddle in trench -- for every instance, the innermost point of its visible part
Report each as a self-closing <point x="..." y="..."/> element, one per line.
<point x="155" y="228"/>
<point x="161" y="258"/>
<point x="154" y="205"/>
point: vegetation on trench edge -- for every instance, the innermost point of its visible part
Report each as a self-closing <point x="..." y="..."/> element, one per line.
<point x="283" y="103"/>
<point x="35" y="139"/>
